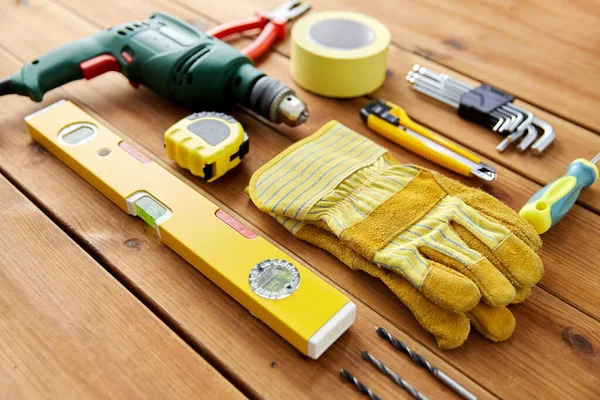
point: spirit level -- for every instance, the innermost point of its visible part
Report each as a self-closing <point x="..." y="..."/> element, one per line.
<point x="302" y="308"/>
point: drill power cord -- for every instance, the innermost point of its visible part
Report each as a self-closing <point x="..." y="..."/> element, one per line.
<point x="6" y="87"/>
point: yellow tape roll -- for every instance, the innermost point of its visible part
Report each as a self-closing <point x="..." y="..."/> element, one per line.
<point x="339" y="53"/>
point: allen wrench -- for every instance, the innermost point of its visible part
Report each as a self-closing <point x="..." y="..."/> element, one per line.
<point x="505" y="117"/>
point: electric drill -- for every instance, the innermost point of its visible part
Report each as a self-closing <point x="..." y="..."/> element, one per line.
<point x="170" y="57"/>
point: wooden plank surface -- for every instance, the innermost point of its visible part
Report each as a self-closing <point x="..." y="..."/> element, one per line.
<point x="259" y="362"/>
<point x="549" y="331"/>
<point x="70" y="330"/>
<point x="572" y="141"/>
<point x="541" y="51"/>
<point x="537" y="52"/>
<point x="575" y="287"/>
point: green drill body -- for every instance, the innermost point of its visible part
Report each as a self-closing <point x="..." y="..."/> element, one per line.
<point x="165" y="54"/>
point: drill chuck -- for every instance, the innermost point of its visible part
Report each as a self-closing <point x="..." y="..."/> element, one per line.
<point x="276" y="102"/>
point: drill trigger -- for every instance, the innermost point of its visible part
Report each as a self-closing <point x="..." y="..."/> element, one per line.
<point x="98" y="65"/>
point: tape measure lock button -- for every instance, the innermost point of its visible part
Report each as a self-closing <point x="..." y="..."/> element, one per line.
<point x="208" y="144"/>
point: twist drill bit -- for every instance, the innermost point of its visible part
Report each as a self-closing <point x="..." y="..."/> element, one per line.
<point x="399" y="381"/>
<point x="420" y="361"/>
<point x="362" y="388"/>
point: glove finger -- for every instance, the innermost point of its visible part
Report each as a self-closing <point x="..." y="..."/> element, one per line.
<point x="495" y="323"/>
<point x="449" y="289"/>
<point x="442" y="286"/>
<point x="518" y="262"/>
<point x="495" y="289"/>
<point x="522" y="294"/>
<point x="450" y="329"/>
<point x="493" y="208"/>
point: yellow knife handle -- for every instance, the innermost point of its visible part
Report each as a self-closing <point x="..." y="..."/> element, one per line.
<point x="429" y="134"/>
<point x="409" y="142"/>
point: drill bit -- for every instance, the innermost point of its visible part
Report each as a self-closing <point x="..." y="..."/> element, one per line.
<point x="362" y="388"/>
<point x="401" y="382"/>
<point x="420" y="361"/>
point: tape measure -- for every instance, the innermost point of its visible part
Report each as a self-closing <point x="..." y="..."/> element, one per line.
<point x="207" y="143"/>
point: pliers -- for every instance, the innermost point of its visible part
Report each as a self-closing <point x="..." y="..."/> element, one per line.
<point x="272" y="24"/>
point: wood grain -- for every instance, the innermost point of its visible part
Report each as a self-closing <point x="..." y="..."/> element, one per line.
<point x="244" y="349"/>
<point x="490" y="42"/>
<point x="548" y="329"/>
<point x="543" y="52"/>
<point x="70" y="330"/>
<point x="570" y="283"/>
<point x="572" y="141"/>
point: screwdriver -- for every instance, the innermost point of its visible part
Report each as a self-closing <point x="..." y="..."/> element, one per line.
<point x="553" y="201"/>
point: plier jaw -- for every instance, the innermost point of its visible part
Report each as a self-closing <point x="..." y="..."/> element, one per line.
<point x="272" y="24"/>
<point x="288" y="11"/>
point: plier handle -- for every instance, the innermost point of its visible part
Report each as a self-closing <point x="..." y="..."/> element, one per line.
<point x="272" y="24"/>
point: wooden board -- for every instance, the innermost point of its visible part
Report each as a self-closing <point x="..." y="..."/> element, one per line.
<point x="543" y="52"/>
<point x="537" y="52"/>
<point x="214" y="324"/>
<point x="549" y="332"/>
<point x="574" y="284"/>
<point x="69" y="329"/>
<point x="572" y="141"/>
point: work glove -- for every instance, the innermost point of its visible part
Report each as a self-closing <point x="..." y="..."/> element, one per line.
<point x="449" y="252"/>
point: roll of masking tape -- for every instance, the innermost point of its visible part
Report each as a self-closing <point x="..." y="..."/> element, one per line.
<point x="339" y="53"/>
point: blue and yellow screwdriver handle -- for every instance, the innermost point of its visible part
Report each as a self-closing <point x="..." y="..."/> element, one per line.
<point x="297" y="304"/>
<point x="553" y="201"/>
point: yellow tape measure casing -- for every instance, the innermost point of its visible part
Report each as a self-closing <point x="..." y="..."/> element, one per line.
<point x="339" y="53"/>
<point x="207" y="143"/>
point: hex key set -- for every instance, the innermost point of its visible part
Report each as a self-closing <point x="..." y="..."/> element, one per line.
<point x="487" y="106"/>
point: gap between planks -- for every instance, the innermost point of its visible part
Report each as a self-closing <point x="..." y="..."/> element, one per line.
<point x="88" y="321"/>
<point x="129" y="285"/>
<point x="202" y="15"/>
<point x="496" y="157"/>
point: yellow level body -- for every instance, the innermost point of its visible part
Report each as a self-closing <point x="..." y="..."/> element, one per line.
<point x="301" y="307"/>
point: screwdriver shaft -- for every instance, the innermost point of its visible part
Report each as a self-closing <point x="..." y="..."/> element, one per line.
<point x="420" y="361"/>
<point x="595" y="159"/>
